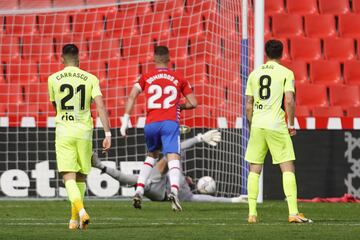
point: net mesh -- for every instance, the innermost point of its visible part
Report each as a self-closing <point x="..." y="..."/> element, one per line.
<point x="116" y="42"/>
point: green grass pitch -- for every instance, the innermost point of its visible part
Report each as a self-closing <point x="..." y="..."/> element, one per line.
<point x="118" y="220"/>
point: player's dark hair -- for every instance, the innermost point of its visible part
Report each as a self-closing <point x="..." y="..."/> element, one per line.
<point x="70" y="50"/>
<point x="274" y="49"/>
<point x="161" y="51"/>
<point x="162" y="54"/>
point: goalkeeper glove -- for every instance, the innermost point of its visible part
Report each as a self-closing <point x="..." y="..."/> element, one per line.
<point x="125" y="124"/>
<point x="212" y="137"/>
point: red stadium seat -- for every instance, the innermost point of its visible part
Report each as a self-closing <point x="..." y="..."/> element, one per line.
<point x="37" y="93"/>
<point x="353" y="111"/>
<point x="21" y="72"/>
<point x="138" y="48"/>
<point x="89" y="23"/>
<point x="137" y="9"/>
<point x="334" y="111"/>
<point x="334" y="6"/>
<point x="314" y="26"/>
<point x="178" y="47"/>
<point x="104" y="48"/>
<point x="325" y="72"/>
<point x="188" y="25"/>
<point x="100" y="2"/>
<point x="307" y="49"/>
<point x="352" y="72"/>
<point x="119" y="24"/>
<point x="300" y="70"/>
<point x="123" y="72"/>
<point x="302" y="7"/>
<point x="340" y="49"/>
<point x="21" y="24"/>
<point x="11" y="93"/>
<point x="349" y="25"/>
<point x="67" y="4"/>
<point x="169" y="6"/>
<point x="96" y="67"/>
<point x="10" y="48"/>
<point x="156" y="25"/>
<point x="345" y="96"/>
<point x="311" y="95"/>
<point x="356" y="6"/>
<point x="8" y="5"/>
<point x="54" y="24"/>
<point x="38" y="48"/>
<point x="47" y="68"/>
<point x="196" y="6"/>
<point x="302" y="111"/>
<point x="201" y="48"/>
<point x="287" y="25"/>
<point x="26" y="4"/>
<point x="79" y="41"/>
<point x="196" y="73"/>
<point x="274" y="6"/>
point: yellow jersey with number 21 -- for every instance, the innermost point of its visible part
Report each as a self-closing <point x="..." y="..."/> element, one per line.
<point x="267" y="84"/>
<point x="73" y="91"/>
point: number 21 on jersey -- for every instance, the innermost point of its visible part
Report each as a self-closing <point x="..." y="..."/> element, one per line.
<point x="157" y="93"/>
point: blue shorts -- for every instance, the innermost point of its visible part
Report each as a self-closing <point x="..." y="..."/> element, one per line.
<point x="163" y="135"/>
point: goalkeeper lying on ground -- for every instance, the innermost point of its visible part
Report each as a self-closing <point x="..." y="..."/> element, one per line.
<point x="158" y="185"/>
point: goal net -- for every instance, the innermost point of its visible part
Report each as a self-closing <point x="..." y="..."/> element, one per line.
<point x="116" y="42"/>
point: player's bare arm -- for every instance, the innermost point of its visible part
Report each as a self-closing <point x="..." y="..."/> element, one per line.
<point x="104" y="118"/>
<point x="190" y="103"/>
<point x="135" y="91"/>
<point x="249" y="108"/>
<point x="290" y="111"/>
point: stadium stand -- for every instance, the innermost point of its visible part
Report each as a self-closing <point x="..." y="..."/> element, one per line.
<point x="302" y="7"/>
<point x="314" y="26"/>
<point x="334" y="6"/>
<point x="321" y="41"/>
<point x="325" y="72"/>
<point x="287" y="25"/>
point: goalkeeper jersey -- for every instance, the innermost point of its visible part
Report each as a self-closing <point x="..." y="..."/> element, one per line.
<point x="73" y="90"/>
<point x="267" y="84"/>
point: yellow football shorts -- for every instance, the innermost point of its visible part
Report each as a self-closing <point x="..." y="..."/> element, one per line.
<point x="261" y="140"/>
<point x="73" y="155"/>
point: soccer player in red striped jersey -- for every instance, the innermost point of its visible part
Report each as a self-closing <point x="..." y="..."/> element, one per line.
<point x="163" y="89"/>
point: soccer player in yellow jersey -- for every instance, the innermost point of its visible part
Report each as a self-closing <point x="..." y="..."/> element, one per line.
<point x="72" y="91"/>
<point x="266" y="88"/>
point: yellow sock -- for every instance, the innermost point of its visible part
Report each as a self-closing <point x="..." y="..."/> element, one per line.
<point x="253" y="191"/>
<point x="74" y="212"/>
<point x="74" y="194"/>
<point x="290" y="190"/>
<point x="82" y="189"/>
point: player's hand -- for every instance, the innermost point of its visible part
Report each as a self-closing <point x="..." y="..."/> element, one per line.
<point x="106" y="144"/>
<point x="124" y="125"/>
<point x="212" y="137"/>
<point x="292" y="131"/>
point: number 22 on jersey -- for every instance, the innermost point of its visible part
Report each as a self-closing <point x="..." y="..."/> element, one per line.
<point x="157" y="93"/>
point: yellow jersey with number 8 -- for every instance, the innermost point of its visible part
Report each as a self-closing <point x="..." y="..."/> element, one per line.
<point x="267" y="84"/>
<point x="73" y="90"/>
